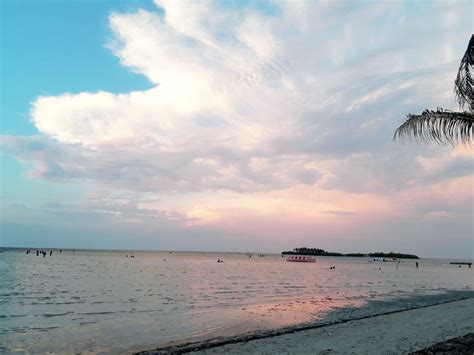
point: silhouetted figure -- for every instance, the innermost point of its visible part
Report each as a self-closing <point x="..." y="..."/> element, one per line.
<point x="37" y="253"/>
<point x="60" y="250"/>
<point x="50" y="252"/>
<point x="416" y="263"/>
<point x="469" y="265"/>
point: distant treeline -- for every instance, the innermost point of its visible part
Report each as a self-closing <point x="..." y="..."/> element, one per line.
<point x="393" y="255"/>
<point x="321" y="252"/>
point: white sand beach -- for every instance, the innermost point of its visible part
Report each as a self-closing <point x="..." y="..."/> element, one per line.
<point x="400" y="332"/>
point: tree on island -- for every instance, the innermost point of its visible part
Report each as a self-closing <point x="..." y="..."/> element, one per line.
<point x="321" y="252"/>
<point x="444" y="126"/>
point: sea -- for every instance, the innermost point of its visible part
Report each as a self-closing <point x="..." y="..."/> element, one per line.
<point x="111" y="302"/>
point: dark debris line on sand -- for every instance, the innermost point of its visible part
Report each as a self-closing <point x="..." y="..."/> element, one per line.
<point x="455" y="346"/>
<point x="217" y="342"/>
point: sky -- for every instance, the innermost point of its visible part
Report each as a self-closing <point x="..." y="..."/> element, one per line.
<point x="231" y="126"/>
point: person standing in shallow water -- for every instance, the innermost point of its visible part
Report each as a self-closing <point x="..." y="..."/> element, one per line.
<point x="416" y="263"/>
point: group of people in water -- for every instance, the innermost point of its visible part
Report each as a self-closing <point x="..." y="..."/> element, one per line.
<point x="42" y="252"/>
<point x="249" y="255"/>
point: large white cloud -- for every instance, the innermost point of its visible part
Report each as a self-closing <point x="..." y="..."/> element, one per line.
<point x="239" y="93"/>
<point x="260" y="98"/>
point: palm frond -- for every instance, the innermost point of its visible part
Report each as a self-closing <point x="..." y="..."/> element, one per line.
<point x="463" y="85"/>
<point x="443" y="126"/>
<point x="440" y="126"/>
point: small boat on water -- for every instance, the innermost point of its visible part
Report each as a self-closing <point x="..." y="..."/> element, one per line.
<point x="301" y="259"/>
<point x="387" y="260"/>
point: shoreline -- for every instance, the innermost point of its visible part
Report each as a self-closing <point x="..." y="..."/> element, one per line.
<point x="307" y="336"/>
<point x="148" y="302"/>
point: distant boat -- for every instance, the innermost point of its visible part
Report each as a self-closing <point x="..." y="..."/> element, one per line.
<point x="386" y="260"/>
<point x="301" y="259"/>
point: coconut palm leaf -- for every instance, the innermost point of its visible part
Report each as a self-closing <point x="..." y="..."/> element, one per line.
<point x="440" y="126"/>
<point x="443" y="126"/>
<point x="463" y="85"/>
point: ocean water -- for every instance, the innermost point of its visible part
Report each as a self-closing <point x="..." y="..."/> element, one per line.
<point x="102" y="301"/>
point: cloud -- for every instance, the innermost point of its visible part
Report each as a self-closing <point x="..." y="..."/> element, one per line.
<point x="243" y="100"/>
<point x="293" y="100"/>
<point x="146" y="167"/>
<point x="111" y="210"/>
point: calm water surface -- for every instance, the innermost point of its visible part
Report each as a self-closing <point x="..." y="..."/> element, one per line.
<point x="104" y="302"/>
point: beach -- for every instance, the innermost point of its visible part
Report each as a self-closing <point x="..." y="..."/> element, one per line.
<point x="106" y="302"/>
<point x="399" y="332"/>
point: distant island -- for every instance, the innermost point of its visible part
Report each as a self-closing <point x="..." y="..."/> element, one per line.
<point x="321" y="252"/>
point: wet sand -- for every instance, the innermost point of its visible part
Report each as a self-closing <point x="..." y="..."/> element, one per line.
<point x="398" y="332"/>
